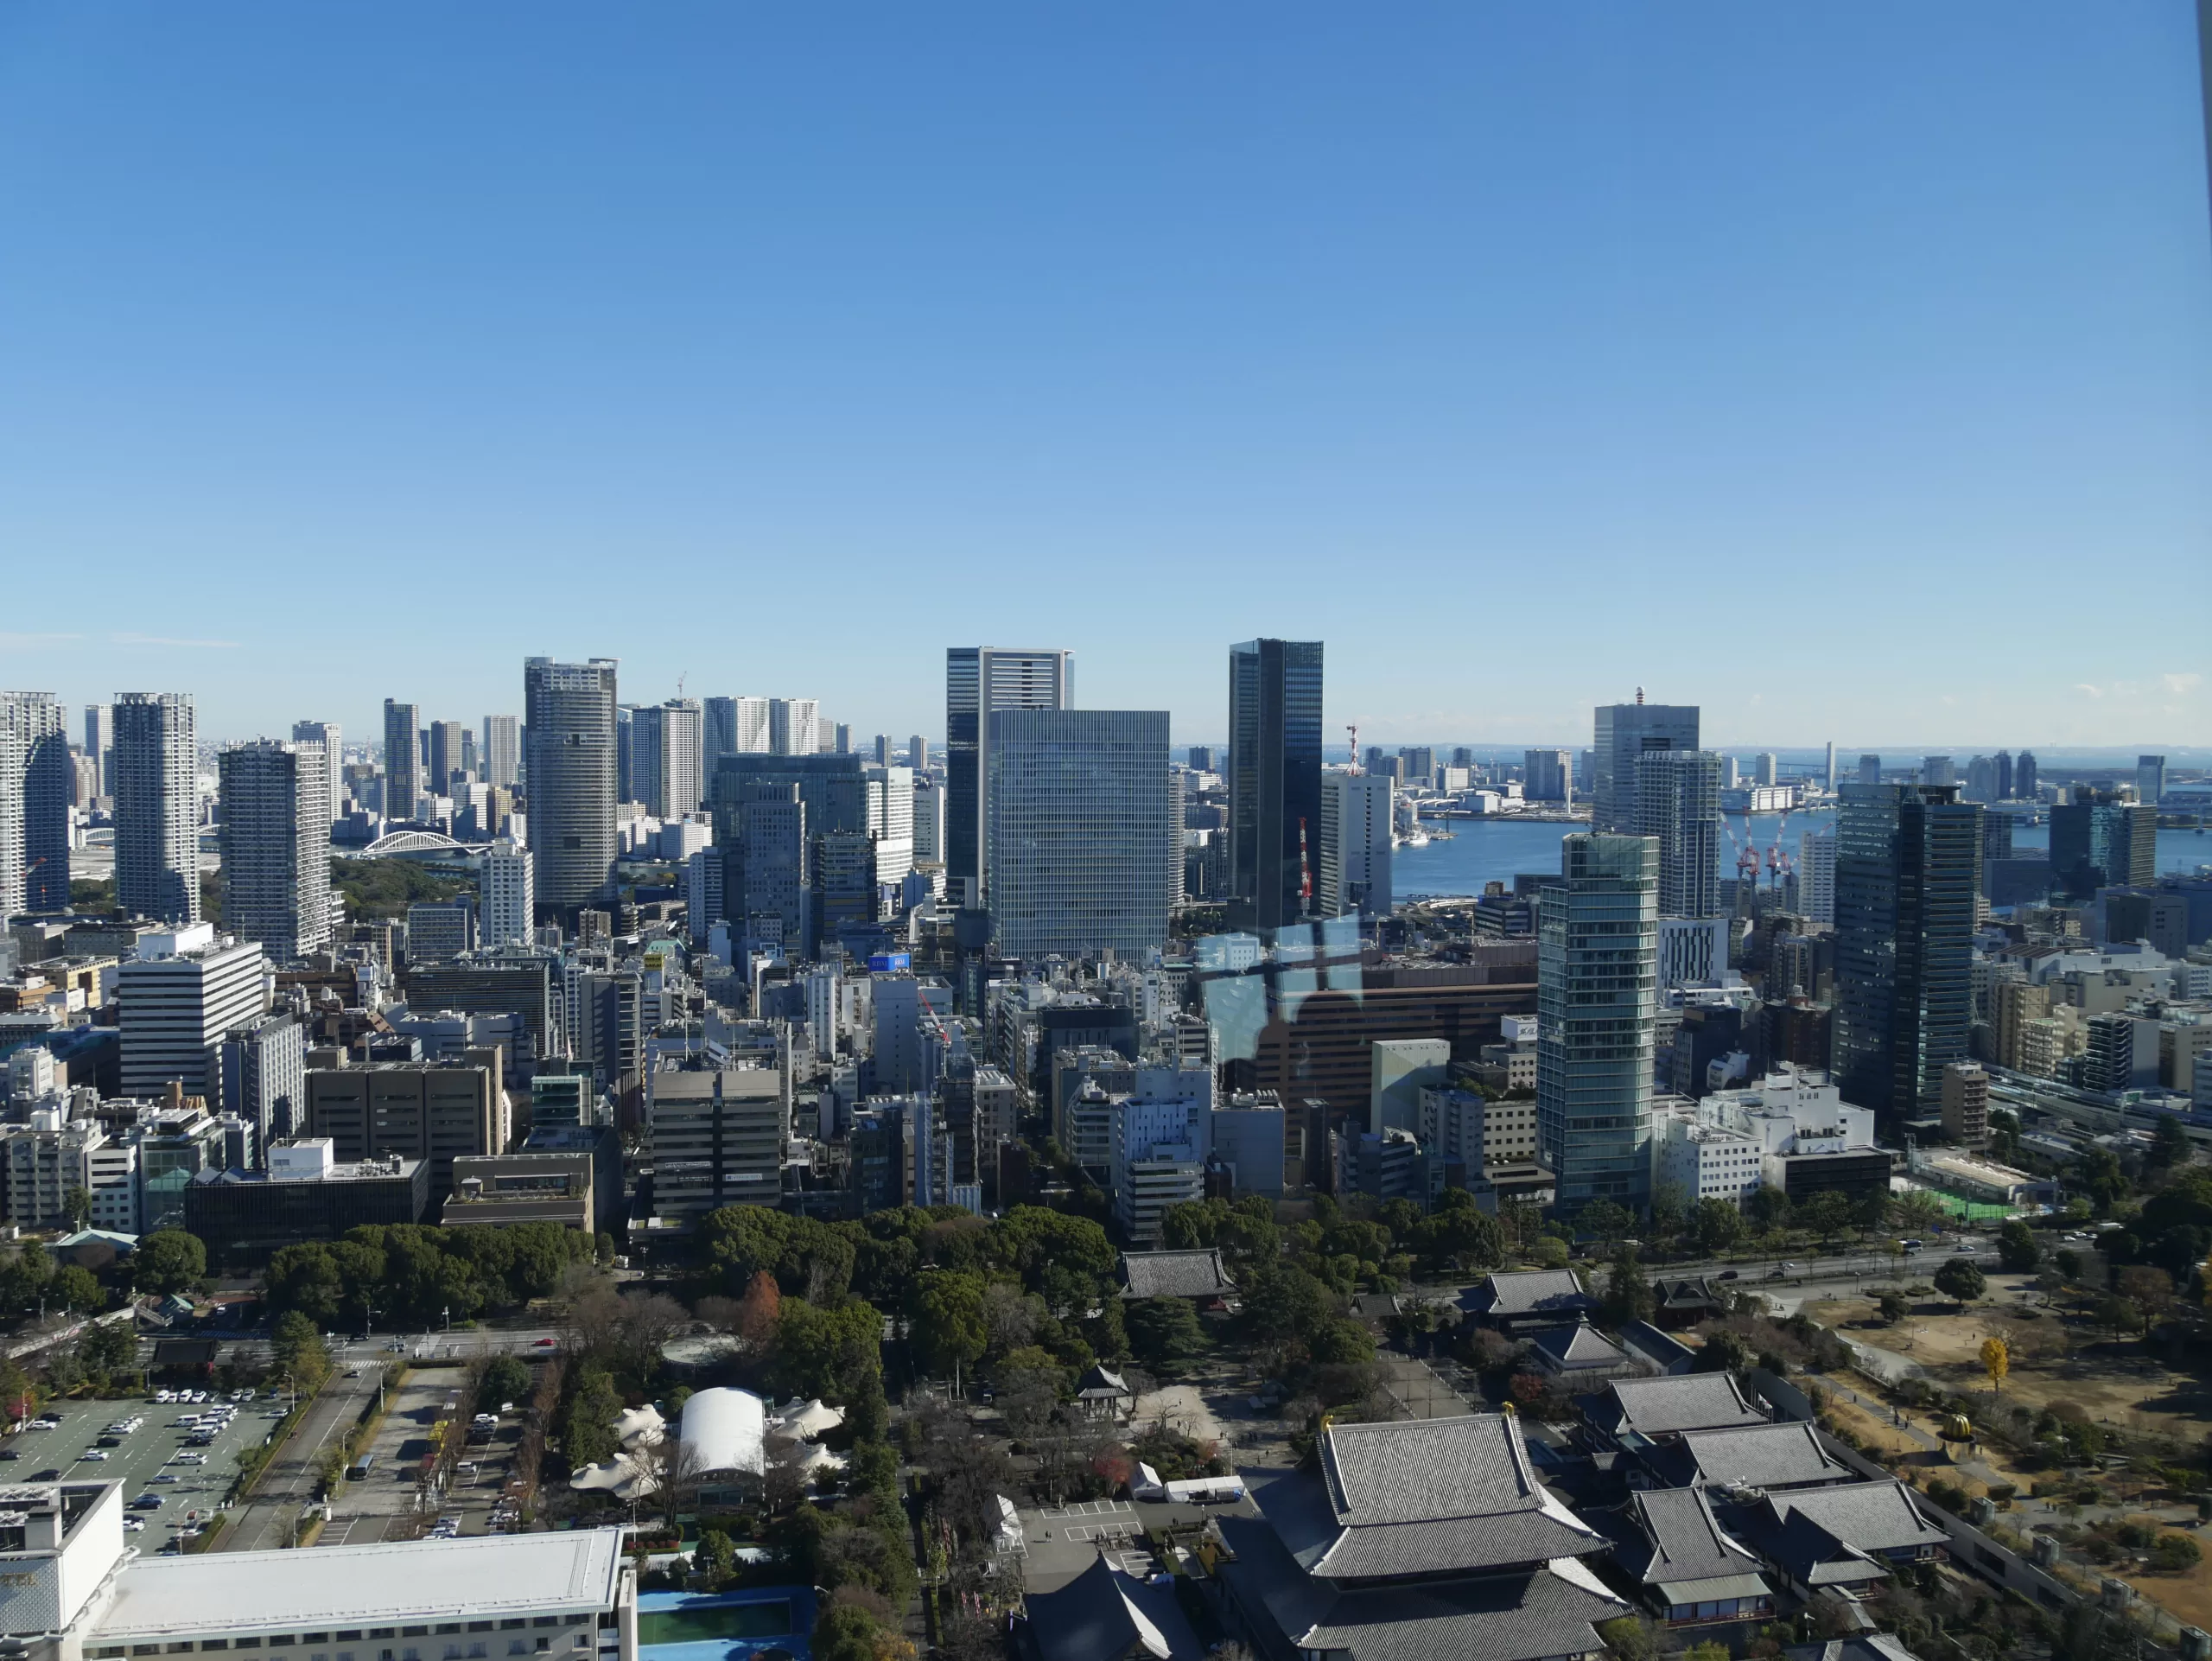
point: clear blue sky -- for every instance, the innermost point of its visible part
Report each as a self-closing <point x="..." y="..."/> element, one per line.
<point x="1847" y="369"/>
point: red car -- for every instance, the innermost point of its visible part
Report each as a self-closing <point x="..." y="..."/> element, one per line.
<point x="546" y="1344"/>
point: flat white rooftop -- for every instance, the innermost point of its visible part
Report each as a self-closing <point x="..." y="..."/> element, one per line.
<point x="577" y="1570"/>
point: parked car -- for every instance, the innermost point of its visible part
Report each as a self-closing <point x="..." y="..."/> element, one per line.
<point x="46" y="1475"/>
<point x="150" y="1502"/>
<point x="8" y="1453"/>
<point x="135" y="1525"/>
<point x="94" y="1454"/>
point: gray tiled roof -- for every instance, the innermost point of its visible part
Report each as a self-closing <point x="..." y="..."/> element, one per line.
<point x="1545" y="1610"/>
<point x="1581" y="1346"/>
<point x="1763" y="1456"/>
<point x="1174" y="1275"/>
<point x="1660" y="1407"/>
<point x="1877" y="1516"/>
<point x="1678" y="1538"/>
<point x="1103" y="1615"/>
<point x="1420" y="1497"/>
<point x="1530" y="1292"/>
<point x="1866" y="1646"/>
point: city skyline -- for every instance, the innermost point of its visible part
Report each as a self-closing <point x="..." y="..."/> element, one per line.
<point x="1457" y="324"/>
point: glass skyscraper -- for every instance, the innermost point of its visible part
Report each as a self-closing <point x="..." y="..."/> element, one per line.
<point x="979" y="680"/>
<point x="1274" y="781"/>
<point x="1678" y="803"/>
<point x="1079" y="834"/>
<point x="2098" y="841"/>
<point x="1908" y="860"/>
<point x="1597" y="1006"/>
<point x="569" y="717"/>
<point x="1623" y="733"/>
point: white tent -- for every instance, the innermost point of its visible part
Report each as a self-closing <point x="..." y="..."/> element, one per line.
<point x="804" y="1421"/>
<point x="640" y="1424"/>
<point x="725" y="1431"/>
<point x="624" y="1477"/>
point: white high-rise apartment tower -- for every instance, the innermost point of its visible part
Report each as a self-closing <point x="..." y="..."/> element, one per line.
<point x="502" y="751"/>
<point x="510" y="903"/>
<point x="1816" y="875"/>
<point x="276" y="846"/>
<point x="668" y="757"/>
<point x="1356" y="842"/>
<point x="156" y="806"/>
<point x="891" y="819"/>
<point x="326" y="736"/>
<point x="794" y="726"/>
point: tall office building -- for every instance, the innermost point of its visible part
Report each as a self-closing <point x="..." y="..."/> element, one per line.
<point x="449" y="757"/>
<point x="1274" y="780"/>
<point x="1597" y="1007"/>
<point x="1625" y="732"/>
<point x="2026" y="786"/>
<point x="568" y="715"/>
<point x="978" y="681"/>
<point x="156" y="806"/>
<point x="177" y="998"/>
<point x="879" y="750"/>
<point x="2003" y="762"/>
<point x="510" y="896"/>
<point x="1907" y="857"/>
<point x="48" y="789"/>
<point x="1356" y="843"/>
<point x="1547" y="775"/>
<point x="1678" y="805"/>
<point x="1766" y="768"/>
<point x="667" y="756"/>
<point x="99" y="745"/>
<point x="1816" y="875"/>
<point x="2150" y="780"/>
<point x="1870" y="769"/>
<point x="502" y="752"/>
<point x="2099" y="841"/>
<point x="760" y="824"/>
<point x="403" y="767"/>
<point x="1176" y="778"/>
<point x="275" y="839"/>
<point x="929" y="822"/>
<point x="1828" y="770"/>
<point x="1078" y="834"/>
<point x="1938" y="770"/>
<point x="325" y="738"/>
<point x="917" y="752"/>
<point x="794" y="727"/>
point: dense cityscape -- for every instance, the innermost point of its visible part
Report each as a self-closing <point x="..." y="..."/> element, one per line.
<point x="827" y="1171"/>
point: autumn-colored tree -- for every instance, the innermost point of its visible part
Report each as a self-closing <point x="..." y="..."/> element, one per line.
<point x="756" y="1311"/>
<point x="1996" y="1361"/>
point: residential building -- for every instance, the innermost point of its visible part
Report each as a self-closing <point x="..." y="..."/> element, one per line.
<point x="1077" y="841"/>
<point x="447" y="769"/>
<point x="1907" y="858"/>
<point x="12" y="874"/>
<point x="1274" y="781"/>
<point x="668" y="757"/>
<point x="502" y="761"/>
<point x="1355" y="846"/>
<point x="1966" y="1104"/>
<point x="417" y="1109"/>
<point x="43" y="781"/>
<point x="326" y="740"/>
<point x="1625" y="732"/>
<point x="1816" y="875"/>
<point x="156" y="791"/>
<point x="46" y="1160"/>
<point x="509" y="894"/>
<point x="794" y="727"/>
<point x="1678" y="804"/>
<point x="264" y="1064"/>
<point x="403" y="759"/>
<point x="274" y="840"/>
<point x="891" y="819"/>
<point x="979" y="681"/>
<point x="115" y="1199"/>
<point x="734" y="726"/>
<point x="245" y="1217"/>
<point x="719" y="1137"/>
<point x="1597" y="1007"/>
<point x="1549" y="776"/>
<point x="2026" y="786"/>
<point x="439" y="930"/>
<point x="99" y="746"/>
<point x="178" y="996"/>
<point x="569" y="719"/>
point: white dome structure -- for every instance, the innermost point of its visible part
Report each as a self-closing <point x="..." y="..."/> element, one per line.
<point x="725" y="1431"/>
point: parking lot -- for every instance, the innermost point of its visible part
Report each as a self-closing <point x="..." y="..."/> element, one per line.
<point x="387" y="1504"/>
<point x="146" y="1456"/>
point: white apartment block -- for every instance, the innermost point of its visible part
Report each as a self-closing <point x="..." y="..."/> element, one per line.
<point x="510" y="895"/>
<point x="46" y="1159"/>
<point x="178" y="996"/>
<point x="1705" y="1162"/>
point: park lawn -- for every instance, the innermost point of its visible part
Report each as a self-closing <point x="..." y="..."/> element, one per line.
<point x="2053" y="1359"/>
<point x="2186" y="1597"/>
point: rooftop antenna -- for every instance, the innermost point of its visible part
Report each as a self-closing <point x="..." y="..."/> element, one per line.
<point x="1353" y="729"/>
<point x="1639" y="694"/>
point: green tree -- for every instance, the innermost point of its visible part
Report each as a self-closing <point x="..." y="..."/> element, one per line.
<point x="1604" y="1219"/>
<point x="2175" y="1553"/>
<point x="77" y="1202"/>
<point x="1769" y="1207"/>
<point x="1827" y="1214"/>
<point x="588" y="1432"/>
<point x="1165" y="1333"/>
<point x="1718" y="1224"/>
<point x="1724" y="1352"/>
<point x="1628" y="1296"/>
<point x="716" y="1560"/>
<point x="2168" y="1148"/>
<point x="506" y="1378"/>
<point x="1961" y="1279"/>
<point x="297" y="1349"/>
<point x="1548" y="1252"/>
<point x="108" y="1349"/>
<point x="1893" y="1307"/>
<point x="169" y="1260"/>
<point x="79" y="1288"/>
<point x="306" y="1278"/>
<point x="2097" y="1177"/>
<point x="2017" y="1249"/>
<point x="949" y="1326"/>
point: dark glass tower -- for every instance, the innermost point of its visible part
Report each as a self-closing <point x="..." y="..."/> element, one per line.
<point x="1274" y="780"/>
<point x="978" y="681"/>
<point x="1908" y="861"/>
<point x="2098" y="841"/>
<point x="568" y="717"/>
